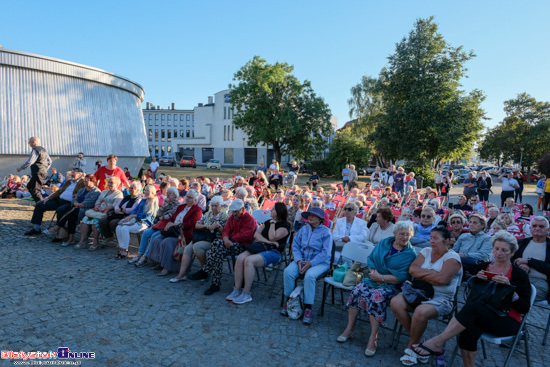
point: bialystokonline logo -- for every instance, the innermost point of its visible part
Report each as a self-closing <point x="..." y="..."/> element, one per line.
<point x="62" y="353"/>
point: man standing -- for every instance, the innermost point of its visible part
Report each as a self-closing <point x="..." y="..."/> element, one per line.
<point x="509" y="185"/>
<point x="80" y="162"/>
<point x="470" y="186"/>
<point x="56" y="201"/>
<point x="345" y="177"/>
<point x="484" y="184"/>
<point x="154" y="167"/>
<point x="237" y="234"/>
<point x="40" y="163"/>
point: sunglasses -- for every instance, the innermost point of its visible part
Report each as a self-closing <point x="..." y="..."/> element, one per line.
<point x="425" y="216"/>
<point x="348" y="209"/>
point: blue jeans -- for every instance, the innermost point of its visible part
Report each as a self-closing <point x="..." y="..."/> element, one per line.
<point x="147" y="235"/>
<point x="310" y="280"/>
<point x="344" y="183"/>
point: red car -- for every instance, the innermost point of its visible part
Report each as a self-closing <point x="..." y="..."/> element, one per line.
<point x="534" y="177"/>
<point x="188" y="161"/>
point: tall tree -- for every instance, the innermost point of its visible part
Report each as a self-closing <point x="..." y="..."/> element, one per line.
<point x="428" y="118"/>
<point x="526" y="125"/>
<point x="347" y="148"/>
<point x="273" y="107"/>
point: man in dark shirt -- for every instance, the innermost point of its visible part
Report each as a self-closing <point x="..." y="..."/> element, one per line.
<point x="313" y="180"/>
<point x="462" y="204"/>
<point x="40" y="163"/>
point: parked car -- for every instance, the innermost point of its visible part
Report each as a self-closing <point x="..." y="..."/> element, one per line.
<point x="213" y="163"/>
<point x="533" y="178"/>
<point x="188" y="161"/>
<point x="167" y="161"/>
<point x="463" y="174"/>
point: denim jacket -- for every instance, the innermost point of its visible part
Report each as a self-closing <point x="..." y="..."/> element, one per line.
<point x="313" y="245"/>
<point x="146" y="216"/>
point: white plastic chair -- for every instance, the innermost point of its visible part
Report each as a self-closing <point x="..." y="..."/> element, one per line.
<point x="354" y="251"/>
<point x="514" y="339"/>
<point x="261" y="215"/>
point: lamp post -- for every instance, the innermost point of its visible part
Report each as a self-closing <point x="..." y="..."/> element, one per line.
<point x="245" y="154"/>
<point x="521" y="158"/>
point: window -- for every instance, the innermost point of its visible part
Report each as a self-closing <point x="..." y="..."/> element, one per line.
<point x="169" y="148"/>
<point x="162" y="123"/>
<point x="188" y="117"/>
<point x="181" y="134"/>
<point x="250" y="156"/>
<point x="156" y="135"/>
<point x="156" y="122"/>
<point x="150" y="150"/>
<point x="169" y="137"/>
<point x="207" y="154"/>
<point x="163" y="150"/>
<point x="156" y="150"/>
<point x="232" y="132"/>
<point x="162" y="116"/>
<point x="224" y="113"/>
<point x="229" y="113"/>
<point x="188" y="123"/>
<point x="156" y="116"/>
<point x="181" y="117"/>
<point x="228" y="155"/>
<point x="193" y="133"/>
<point x="175" y="133"/>
<point x="224" y="132"/>
<point x="169" y="123"/>
<point x="162" y="135"/>
<point x="187" y="134"/>
<point x="181" y="123"/>
<point x="169" y="117"/>
<point x="150" y="134"/>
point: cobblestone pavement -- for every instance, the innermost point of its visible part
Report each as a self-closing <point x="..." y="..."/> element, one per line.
<point x="89" y="302"/>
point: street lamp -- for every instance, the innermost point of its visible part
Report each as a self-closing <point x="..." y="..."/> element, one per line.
<point x="245" y="154"/>
<point x="521" y="157"/>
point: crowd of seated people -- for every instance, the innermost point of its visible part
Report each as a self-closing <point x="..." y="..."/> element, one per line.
<point x="413" y="235"/>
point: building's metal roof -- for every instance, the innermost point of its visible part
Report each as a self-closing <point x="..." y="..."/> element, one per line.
<point x="71" y="107"/>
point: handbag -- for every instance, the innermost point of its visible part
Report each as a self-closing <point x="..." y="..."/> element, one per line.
<point x="496" y="296"/>
<point x="257" y="247"/>
<point x="161" y="224"/>
<point x="180" y="246"/>
<point x="90" y="213"/>
<point x="128" y="222"/>
<point x="354" y="275"/>
<point x="203" y="234"/>
<point x="539" y="190"/>
<point x="417" y="291"/>
<point x="173" y="231"/>
<point x="339" y="273"/>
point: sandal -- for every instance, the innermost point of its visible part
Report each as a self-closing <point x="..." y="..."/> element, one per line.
<point x="409" y="358"/>
<point x="92" y="248"/>
<point x="422" y="347"/>
<point x="121" y="255"/>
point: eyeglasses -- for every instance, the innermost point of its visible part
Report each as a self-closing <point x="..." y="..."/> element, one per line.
<point x="456" y="222"/>
<point x="425" y="216"/>
<point x="348" y="209"/>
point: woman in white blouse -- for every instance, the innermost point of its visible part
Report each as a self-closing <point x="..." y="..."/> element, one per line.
<point x="383" y="227"/>
<point x="349" y="228"/>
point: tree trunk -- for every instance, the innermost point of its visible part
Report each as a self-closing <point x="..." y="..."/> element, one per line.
<point x="277" y="151"/>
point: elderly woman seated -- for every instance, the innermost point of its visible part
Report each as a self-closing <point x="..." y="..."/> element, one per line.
<point x="438" y="267"/>
<point x="493" y="215"/>
<point x="139" y="220"/>
<point x="349" y="228"/>
<point x="476" y="245"/>
<point x="104" y="205"/>
<point x="476" y="318"/>
<point x="227" y="197"/>
<point x="423" y="229"/>
<point x="382" y="203"/>
<point x="181" y="229"/>
<point x="508" y="219"/>
<point x="208" y="228"/>
<point x="388" y="268"/>
<point x="383" y="227"/>
<point x="85" y="199"/>
<point x="121" y="210"/>
<point x="164" y="216"/>
<point x="295" y="210"/>
<point x="312" y="249"/>
<point x="508" y="206"/>
<point x="457" y="222"/>
<point x="269" y="242"/>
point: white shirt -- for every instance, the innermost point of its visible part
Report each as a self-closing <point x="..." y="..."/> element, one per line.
<point x="154" y="166"/>
<point x="357" y="233"/>
<point x="507" y="184"/>
<point x="68" y="193"/>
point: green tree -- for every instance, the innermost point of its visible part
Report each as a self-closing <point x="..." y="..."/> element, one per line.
<point x="347" y="148"/>
<point x="273" y="107"/>
<point x="427" y="117"/>
<point x="526" y="125"/>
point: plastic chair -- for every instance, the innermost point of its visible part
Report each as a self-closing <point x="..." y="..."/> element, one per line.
<point x="261" y="215"/>
<point x="354" y="251"/>
<point x="500" y="340"/>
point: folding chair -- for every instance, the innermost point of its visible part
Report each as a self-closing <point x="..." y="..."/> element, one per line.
<point x="544" y="305"/>
<point x="522" y="334"/>
<point x="354" y="251"/>
<point x="261" y="215"/>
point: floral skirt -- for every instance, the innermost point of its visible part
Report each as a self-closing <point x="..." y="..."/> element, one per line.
<point x="373" y="301"/>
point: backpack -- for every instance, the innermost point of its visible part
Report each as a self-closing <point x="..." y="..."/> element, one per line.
<point x="482" y="184"/>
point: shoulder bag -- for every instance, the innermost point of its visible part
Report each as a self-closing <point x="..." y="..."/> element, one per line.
<point x="354" y="275"/>
<point x="496" y="296"/>
<point x="257" y="247"/>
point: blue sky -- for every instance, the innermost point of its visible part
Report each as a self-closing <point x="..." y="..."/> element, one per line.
<point x="184" y="51"/>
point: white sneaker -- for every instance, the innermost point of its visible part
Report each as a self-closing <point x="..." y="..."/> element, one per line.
<point x="65" y="244"/>
<point x="134" y="260"/>
<point x="243" y="298"/>
<point x="236" y="293"/>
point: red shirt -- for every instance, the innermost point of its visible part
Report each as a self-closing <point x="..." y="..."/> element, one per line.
<point x="240" y="230"/>
<point x="103" y="173"/>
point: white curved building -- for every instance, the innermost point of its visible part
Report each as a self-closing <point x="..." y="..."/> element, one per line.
<point x="72" y="108"/>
